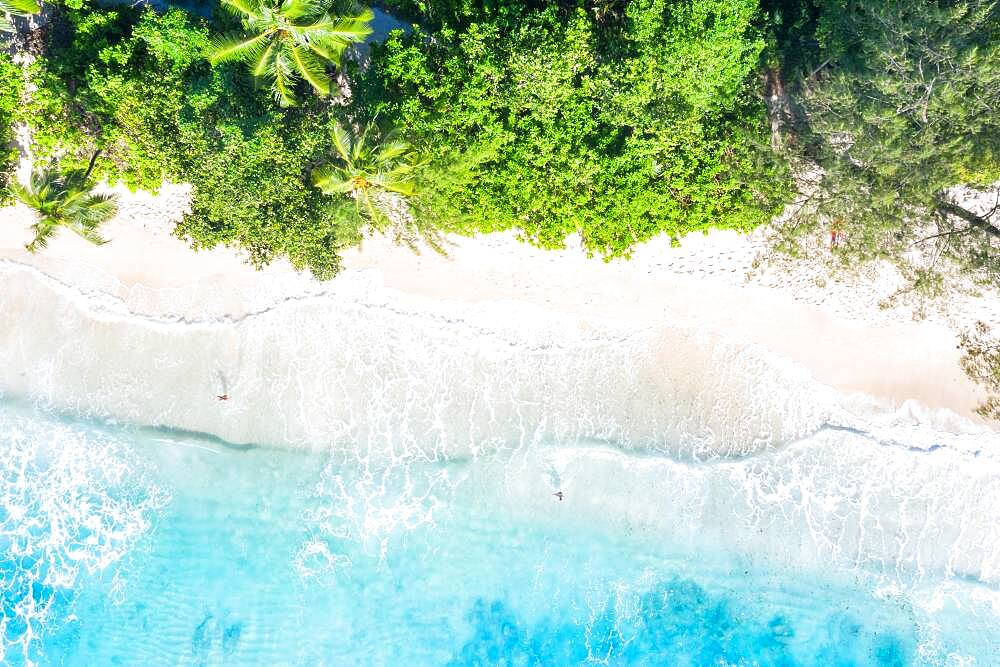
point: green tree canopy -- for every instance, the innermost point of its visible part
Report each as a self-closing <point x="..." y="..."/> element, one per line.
<point x="548" y="121"/>
<point x="903" y="107"/>
<point x="367" y="167"/>
<point x="136" y="85"/>
<point x="10" y="102"/>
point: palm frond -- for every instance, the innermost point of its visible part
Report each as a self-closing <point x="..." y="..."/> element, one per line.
<point x="284" y="79"/>
<point x="402" y="186"/>
<point x="311" y="69"/>
<point x="94" y="209"/>
<point x="391" y="150"/>
<point x="304" y="9"/>
<point x="343" y="142"/>
<point x="379" y="220"/>
<point x="266" y="61"/>
<point x="89" y="233"/>
<point x="234" y="47"/>
<point x="248" y="8"/>
<point x="19" y="7"/>
<point x="333" y="180"/>
<point x="290" y="42"/>
<point x="44" y="231"/>
<point x="361" y="143"/>
<point x="64" y="200"/>
<point x="329" y="36"/>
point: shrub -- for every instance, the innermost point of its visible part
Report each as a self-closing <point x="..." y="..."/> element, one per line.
<point x="10" y="97"/>
<point x="539" y="119"/>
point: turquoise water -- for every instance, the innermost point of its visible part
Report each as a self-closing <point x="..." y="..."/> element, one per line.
<point x="124" y="545"/>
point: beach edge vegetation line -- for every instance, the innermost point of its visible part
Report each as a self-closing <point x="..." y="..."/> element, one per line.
<point x="537" y="118"/>
<point x="903" y="107"/>
<point x="612" y="121"/>
<point x="554" y="129"/>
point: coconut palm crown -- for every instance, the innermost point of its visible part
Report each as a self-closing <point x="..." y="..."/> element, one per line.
<point x="65" y="200"/>
<point x="367" y="169"/>
<point x="290" y="40"/>
<point x="10" y="8"/>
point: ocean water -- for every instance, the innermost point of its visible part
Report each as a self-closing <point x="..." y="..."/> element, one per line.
<point x="129" y="545"/>
<point x="379" y="489"/>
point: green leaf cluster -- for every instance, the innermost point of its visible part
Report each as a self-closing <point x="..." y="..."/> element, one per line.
<point x="901" y="107"/>
<point x="539" y="119"/>
<point x="9" y="8"/>
<point x="65" y="200"/>
<point x="10" y="100"/>
<point x="137" y="86"/>
<point x="289" y="41"/>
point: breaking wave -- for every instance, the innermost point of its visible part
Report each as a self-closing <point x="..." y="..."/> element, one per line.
<point x="73" y="504"/>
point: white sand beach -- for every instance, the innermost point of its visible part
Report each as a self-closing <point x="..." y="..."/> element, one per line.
<point x="503" y="291"/>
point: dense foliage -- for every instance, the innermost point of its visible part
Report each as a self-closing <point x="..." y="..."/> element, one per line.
<point x="289" y="41"/>
<point x="901" y="107"/>
<point x="138" y="87"/>
<point x="540" y="118"/>
<point x="981" y="361"/>
<point x="613" y="119"/>
<point x="10" y="96"/>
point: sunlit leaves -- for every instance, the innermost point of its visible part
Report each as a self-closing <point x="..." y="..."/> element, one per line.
<point x="289" y="42"/>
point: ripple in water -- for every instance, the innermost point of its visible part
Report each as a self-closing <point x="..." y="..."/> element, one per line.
<point x="263" y="556"/>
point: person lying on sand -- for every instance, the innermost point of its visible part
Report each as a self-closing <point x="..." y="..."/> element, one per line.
<point x="558" y="494"/>
<point x="223" y="397"/>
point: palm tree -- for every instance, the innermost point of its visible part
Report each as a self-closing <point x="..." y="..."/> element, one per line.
<point x="10" y="8"/>
<point x="369" y="170"/>
<point x="289" y="40"/>
<point x="65" y="200"/>
<point x="379" y="173"/>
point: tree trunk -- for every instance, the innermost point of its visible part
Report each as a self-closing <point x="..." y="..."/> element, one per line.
<point x="90" y="167"/>
<point x="974" y="220"/>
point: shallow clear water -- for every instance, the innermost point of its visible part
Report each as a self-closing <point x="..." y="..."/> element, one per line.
<point x="137" y="546"/>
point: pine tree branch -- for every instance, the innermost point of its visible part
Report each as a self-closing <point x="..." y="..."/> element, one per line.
<point x="974" y="220"/>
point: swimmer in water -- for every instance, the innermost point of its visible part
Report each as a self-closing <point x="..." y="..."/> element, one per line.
<point x="558" y="494"/>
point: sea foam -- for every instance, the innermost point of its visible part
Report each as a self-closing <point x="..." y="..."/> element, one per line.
<point x="733" y="445"/>
<point x="73" y="504"/>
<point x="393" y="376"/>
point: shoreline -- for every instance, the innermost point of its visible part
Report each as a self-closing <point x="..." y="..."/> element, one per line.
<point x="145" y="272"/>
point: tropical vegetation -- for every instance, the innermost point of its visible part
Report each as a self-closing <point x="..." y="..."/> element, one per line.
<point x="553" y="121"/>
<point x="902" y="108"/>
<point x="369" y="171"/>
<point x="65" y="200"/>
<point x="289" y="41"/>
<point x="10" y="100"/>
<point x="611" y="121"/>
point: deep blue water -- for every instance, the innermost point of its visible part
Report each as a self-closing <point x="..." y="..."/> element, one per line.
<point x="130" y="546"/>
